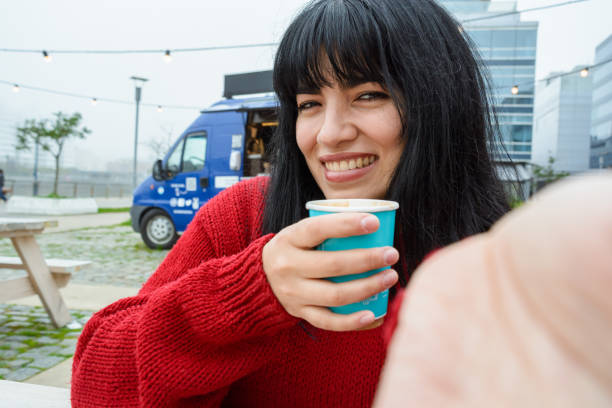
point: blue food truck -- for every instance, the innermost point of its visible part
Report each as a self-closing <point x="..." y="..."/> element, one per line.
<point x="225" y="144"/>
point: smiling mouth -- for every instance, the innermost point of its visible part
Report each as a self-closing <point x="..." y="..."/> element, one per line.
<point x="350" y="164"/>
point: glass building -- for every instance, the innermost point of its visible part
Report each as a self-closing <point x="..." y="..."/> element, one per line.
<point x="507" y="48"/>
<point x="601" y="120"/>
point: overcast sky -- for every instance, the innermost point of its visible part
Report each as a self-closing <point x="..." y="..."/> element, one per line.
<point x="567" y="37"/>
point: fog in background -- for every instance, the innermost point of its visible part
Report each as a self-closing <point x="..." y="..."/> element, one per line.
<point x="567" y="37"/>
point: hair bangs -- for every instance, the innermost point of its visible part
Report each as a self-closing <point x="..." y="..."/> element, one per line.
<point x="340" y="42"/>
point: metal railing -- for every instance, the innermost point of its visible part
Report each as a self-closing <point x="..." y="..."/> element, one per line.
<point x="72" y="189"/>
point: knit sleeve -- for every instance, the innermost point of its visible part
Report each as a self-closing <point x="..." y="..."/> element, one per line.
<point x="205" y="319"/>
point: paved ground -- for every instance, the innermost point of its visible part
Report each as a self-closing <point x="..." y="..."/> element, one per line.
<point x="118" y="254"/>
<point x="29" y="345"/>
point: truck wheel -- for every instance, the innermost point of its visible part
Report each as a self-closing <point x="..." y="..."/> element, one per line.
<point x="157" y="230"/>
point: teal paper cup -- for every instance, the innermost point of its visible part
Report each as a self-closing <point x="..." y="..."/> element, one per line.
<point x="385" y="211"/>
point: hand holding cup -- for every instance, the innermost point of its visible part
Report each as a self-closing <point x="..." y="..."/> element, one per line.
<point x="296" y="270"/>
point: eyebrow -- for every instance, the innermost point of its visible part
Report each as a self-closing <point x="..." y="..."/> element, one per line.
<point x="304" y="89"/>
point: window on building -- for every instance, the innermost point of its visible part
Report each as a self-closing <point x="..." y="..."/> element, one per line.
<point x="482" y="38"/>
<point x="503" y="38"/>
<point x="516" y="134"/>
<point x="526" y="38"/>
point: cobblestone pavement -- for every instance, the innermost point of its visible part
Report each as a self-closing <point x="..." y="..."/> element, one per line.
<point x="118" y="255"/>
<point x="29" y="343"/>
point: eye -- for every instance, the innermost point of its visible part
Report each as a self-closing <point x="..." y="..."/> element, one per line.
<point x="307" y="105"/>
<point x="373" y="95"/>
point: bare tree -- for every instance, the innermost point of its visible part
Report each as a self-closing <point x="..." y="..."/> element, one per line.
<point x="162" y="143"/>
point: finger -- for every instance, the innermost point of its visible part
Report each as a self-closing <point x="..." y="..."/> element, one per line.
<point x="325" y="319"/>
<point x="325" y="264"/>
<point x="319" y="292"/>
<point x="310" y="232"/>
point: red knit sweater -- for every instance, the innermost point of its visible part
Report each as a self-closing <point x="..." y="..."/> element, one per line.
<point x="207" y="331"/>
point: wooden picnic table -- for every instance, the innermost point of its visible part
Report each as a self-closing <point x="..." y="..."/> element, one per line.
<point x="23" y="395"/>
<point x="39" y="281"/>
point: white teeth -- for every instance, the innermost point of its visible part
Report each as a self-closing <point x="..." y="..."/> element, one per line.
<point x="351" y="164"/>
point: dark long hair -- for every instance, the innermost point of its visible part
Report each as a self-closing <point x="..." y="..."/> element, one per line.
<point x="445" y="181"/>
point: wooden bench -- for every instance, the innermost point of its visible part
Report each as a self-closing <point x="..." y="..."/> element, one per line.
<point x="61" y="271"/>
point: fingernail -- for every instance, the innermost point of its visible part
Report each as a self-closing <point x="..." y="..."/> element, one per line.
<point x="389" y="278"/>
<point x="369" y="223"/>
<point x="390" y="256"/>
<point x="367" y="318"/>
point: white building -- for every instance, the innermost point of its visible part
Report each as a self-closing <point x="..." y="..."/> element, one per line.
<point x="601" y="119"/>
<point x="563" y="122"/>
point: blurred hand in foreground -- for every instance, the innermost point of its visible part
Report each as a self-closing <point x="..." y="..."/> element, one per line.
<point x="518" y="317"/>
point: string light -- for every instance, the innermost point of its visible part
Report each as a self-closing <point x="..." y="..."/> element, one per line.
<point x="229" y="47"/>
<point x="94" y="101"/>
<point x="46" y="56"/>
<point x="89" y="98"/>
<point x="584" y="72"/>
<point x="167" y="56"/>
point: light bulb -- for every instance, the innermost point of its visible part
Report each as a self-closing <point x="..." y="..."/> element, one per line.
<point x="515" y="90"/>
<point x="167" y="56"/>
<point x="16" y="88"/>
<point x="94" y="101"/>
<point x="46" y="56"/>
<point x="159" y="108"/>
<point x="584" y="73"/>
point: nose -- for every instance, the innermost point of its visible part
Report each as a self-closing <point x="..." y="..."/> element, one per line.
<point x="337" y="126"/>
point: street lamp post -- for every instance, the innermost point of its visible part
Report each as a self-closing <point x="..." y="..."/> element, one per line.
<point x="138" y="83"/>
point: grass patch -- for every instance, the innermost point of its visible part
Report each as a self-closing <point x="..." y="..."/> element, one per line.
<point x="4" y="347"/>
<point x="127" y="223"/>
<point x="28" y="333"/>
<point x="32" y="343"/>
<point x="53" y="195"/>
<point x="140" y="246"/>
<point x="113" y="210"/>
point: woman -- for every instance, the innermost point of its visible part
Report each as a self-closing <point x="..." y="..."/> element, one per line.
<point x="378" y="99"/>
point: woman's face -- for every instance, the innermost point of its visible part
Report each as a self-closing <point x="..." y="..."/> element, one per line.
<point x="350" y="138"/>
